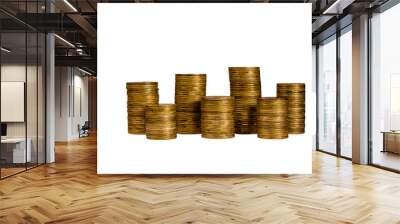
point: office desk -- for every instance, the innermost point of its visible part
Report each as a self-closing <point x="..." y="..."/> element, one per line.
<point x="13" y="150"/>
<point x="391" y="141"/>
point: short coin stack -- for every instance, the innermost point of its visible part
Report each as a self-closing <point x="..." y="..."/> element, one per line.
<point x="161" y="121"/>
<point x="189" y="90"/>
<point x="272" y="120"/>
<point x="140" y="94"/>
<point x="295" y="94"/>
<point x="217" y="120"/>
<point x="245" y="85"/>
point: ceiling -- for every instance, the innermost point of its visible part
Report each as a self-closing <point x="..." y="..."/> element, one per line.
<point x="76" y="21"/>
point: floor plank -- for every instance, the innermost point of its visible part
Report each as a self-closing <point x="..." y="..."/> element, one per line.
<point x="70" y="191"/>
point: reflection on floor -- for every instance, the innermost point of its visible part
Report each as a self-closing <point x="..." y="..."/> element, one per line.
<point x="387" y="159"/>
<point x="346" y="152"/>
<point x="10" y="169"/>
<point x="70" y="191"/>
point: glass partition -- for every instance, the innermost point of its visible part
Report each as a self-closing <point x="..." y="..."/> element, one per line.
<point x="14" y="153"/>
<point x="22" y="77"/>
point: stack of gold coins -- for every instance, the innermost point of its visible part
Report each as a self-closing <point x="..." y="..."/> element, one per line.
<point x="217" y="119"/>
<point x="295" y="93"/>
<point x="161" y="121"/>
<point x="140" y="94"/>
<point x="189" y="90"/>
<point x="272" y="119"/>
<point x="245" y="85"/>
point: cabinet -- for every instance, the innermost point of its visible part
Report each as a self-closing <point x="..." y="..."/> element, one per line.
<point x="391" y="142"/>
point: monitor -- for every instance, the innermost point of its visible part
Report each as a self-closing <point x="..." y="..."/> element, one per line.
<point x="3" y="129"/>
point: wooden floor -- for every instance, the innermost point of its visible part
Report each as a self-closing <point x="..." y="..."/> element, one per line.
<point x="69" y="191"/>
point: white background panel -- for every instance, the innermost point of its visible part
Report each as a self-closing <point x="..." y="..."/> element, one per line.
<point x="12" y="101"/>
<point x="152" y="42"/>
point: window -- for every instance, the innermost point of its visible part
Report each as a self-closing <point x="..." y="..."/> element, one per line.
<point x="346" y="93"/>
<point x="327" y="96"/>
<point x="385" y="89"/>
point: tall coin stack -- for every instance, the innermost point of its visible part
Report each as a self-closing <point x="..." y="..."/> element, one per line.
<point x="217" y="119"/>
<point x="245" y="85"/>
<point x="140" y="94"/>
<point x="189" y="90"/>
<point x="272" y="120"/>
<point x="161" y="121"/>
<point x="295" y="94"/>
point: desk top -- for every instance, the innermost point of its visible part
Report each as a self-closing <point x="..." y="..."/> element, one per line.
<point x="391" y="132"/>
<point x="13" y="140"/>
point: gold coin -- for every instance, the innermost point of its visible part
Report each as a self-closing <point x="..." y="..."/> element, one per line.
<point x="218" y="104"/>
<point x="140" y="85"/>
<point x="272" y="120"/>
<point x="274" y="135"/>
<point x="160" y="121"/>
<point x="217" y="119"/>
<point x="245" y="114"/>
<point x="245" y="86"/>
<point x="139" y="95"/>
<point x="189" y="90"/>
<point x="295" y="94"/>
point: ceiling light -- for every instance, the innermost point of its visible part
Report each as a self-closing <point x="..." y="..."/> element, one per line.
<point x="65" y="41"/>
<point x="5" y="50"/>
<point x="70" y="5"/>
<point x="84" y="71"/>
<point x="338" y="6"/>
<point x="79" y="51"/>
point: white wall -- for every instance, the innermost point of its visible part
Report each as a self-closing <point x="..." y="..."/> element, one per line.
<point x="62" y="81"/>
<point x="70" y="109"/>
<point x="80" y="89"/>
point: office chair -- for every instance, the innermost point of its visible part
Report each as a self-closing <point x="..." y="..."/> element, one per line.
<point x="84" y="130"/>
